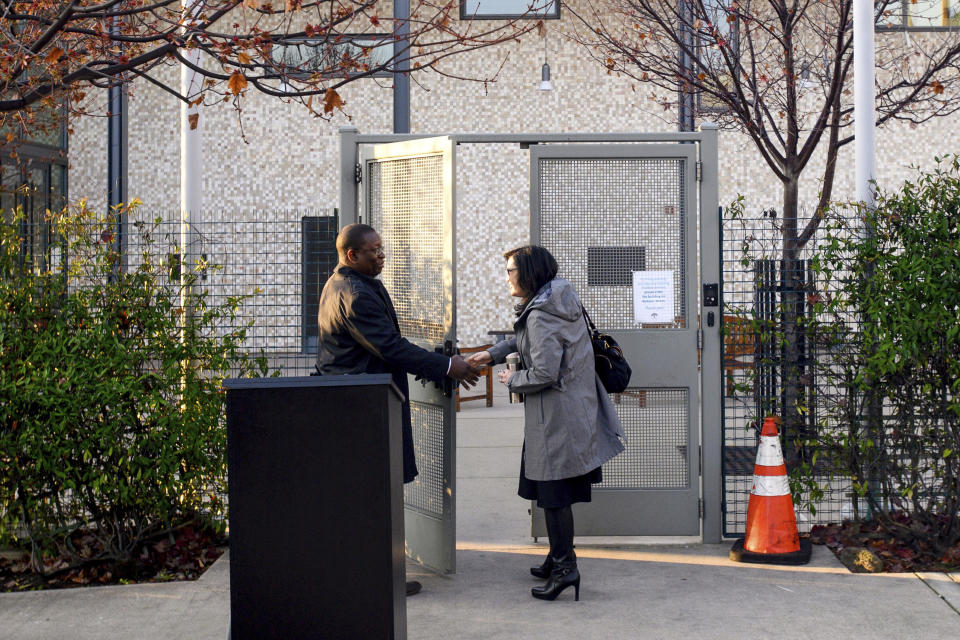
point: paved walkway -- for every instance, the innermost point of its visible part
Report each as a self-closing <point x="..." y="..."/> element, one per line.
<point x="631" y="589"/>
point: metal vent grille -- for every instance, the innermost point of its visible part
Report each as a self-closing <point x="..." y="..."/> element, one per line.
<point x="615" y="203"/>
<point x="614" y="266"/>
<point x="655" y="422"/>
<point x="425" y="493"/>
<point x="406" y="207"/>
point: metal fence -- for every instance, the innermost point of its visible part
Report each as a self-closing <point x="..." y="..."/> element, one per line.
<point x="760" y="290"/>
<point x="279" y="261"/>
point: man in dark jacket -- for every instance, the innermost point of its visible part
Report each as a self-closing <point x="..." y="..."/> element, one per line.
<point x="359" y="332"/>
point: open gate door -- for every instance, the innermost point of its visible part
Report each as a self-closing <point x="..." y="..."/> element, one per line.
<point x="606" y="212"/>
<point x="408" y="197"/>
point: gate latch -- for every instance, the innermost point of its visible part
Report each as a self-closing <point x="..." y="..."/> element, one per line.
<point x="358" y="173"/>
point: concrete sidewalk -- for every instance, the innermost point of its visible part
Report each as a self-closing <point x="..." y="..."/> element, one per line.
<point x="631" y="588"/>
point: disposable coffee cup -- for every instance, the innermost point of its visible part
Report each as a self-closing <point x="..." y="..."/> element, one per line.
<point x="513" y="364"/>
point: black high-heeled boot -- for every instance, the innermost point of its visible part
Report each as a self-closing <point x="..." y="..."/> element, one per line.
<point x="564" y="571"/>
<point x="552" y="519"/>
<point x="564" y="574"/>
<point x="543" y="571"/>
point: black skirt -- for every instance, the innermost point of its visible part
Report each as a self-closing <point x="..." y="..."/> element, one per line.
<point x="554" y="494"/>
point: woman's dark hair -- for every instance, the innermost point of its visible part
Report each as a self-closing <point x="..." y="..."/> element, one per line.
<point x="535" y="268"/>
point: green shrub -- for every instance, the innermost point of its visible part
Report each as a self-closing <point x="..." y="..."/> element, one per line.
<point x="110" y="395"/>
<point x="891" y="317"/>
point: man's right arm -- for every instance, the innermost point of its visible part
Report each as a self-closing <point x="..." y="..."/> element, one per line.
<point x="369" y="323"/>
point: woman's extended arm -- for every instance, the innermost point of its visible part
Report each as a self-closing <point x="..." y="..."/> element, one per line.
<point x="498" y="352"/>
<point x="546" y="353"/>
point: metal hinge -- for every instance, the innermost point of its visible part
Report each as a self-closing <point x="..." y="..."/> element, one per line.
<point x="357" y="173"/>
<point x="699" y="339"/>
<point x="699" y="166"/>
<point x="700" y="508"/>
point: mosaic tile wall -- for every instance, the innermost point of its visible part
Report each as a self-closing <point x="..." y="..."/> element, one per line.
<point x="493" y="216"/>
<point x="288" y="161"/>
<point x="583" y="209"/>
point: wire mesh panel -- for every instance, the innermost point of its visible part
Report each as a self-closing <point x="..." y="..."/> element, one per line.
<point x="655" y="422"/>
<point x="758" y="289"/>
<point x="277" y="264"/>
<point x="603" y="219"/>
<point x="621" y="221"/>
<point x="425" y="493"/>
<point x="406" y="207"/>
<point x="250" y="285"/>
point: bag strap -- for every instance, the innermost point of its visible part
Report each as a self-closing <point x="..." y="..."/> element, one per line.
<point x="588" y="320"/>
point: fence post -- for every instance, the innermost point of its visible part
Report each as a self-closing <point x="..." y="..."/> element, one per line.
<point x="711" y="377"/>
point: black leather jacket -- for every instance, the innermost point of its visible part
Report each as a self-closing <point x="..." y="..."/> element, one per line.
<point x="359" y="332"/>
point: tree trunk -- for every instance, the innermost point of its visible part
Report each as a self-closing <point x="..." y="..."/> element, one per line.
<point x="791" y="318"/>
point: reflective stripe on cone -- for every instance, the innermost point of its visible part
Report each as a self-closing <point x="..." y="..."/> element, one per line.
<point x="770" y="486"/>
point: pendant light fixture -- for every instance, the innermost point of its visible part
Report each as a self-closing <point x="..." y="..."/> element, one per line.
<point x="545" y="84"/>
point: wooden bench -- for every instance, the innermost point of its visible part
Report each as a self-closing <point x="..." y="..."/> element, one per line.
<point x="739" y="348"/>
<point x="486" y="373"/>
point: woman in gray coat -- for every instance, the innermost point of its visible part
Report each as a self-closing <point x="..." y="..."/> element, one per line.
<point x="570" y="426"/>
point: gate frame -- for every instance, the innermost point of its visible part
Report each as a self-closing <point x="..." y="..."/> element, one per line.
<point x="708" y="200"/>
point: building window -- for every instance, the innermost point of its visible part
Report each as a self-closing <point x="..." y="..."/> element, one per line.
<point x="922" y="14"/>
<point x="33" y="180"/>
<point x="722" y="14"/>
<point x="351" y="55"/>
<point x="34" y="187"/>
<point x="506" y="9"/>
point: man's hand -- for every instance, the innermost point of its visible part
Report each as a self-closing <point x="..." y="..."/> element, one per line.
<point x="479" y="358"/>
<point x="463" y="371"/>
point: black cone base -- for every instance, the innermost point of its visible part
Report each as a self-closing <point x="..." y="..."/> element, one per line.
<point x="739" y="554"/>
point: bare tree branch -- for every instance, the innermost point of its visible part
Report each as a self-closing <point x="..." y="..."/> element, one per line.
<point x="52" y="50"/>
<point x="779" y="71"/>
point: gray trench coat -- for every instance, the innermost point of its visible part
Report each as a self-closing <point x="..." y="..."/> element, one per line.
<point x="570" y="426"/>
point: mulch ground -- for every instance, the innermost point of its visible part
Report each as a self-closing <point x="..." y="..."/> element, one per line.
<point x="184" y="555"/>
<point x="897" y="556"/>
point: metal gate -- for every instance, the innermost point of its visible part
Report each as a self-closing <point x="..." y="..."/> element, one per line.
<point x="409" y="199"/>
<point x="610" y="214"/>
<point x="606" y="207"/>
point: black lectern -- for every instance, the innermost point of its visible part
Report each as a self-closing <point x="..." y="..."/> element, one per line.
<point x="316" y="508"/>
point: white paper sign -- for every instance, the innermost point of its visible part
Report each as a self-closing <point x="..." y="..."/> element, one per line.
<point x="652" y="296"/>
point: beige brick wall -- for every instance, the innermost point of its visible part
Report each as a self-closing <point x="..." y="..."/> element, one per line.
<point x="287" y="160"/>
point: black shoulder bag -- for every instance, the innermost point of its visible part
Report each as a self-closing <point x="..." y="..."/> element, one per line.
<point x="613" y="369"/>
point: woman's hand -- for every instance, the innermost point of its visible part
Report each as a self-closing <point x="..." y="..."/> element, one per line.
<point x="479" y="358"/>
<point x="504" y="375"/>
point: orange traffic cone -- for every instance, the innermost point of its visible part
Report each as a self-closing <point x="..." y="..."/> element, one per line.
<point x="772" y="535"/>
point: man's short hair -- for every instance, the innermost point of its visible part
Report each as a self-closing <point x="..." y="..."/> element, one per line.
<point x="352" y="236"/>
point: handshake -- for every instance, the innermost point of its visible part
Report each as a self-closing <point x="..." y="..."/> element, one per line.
<point x="467" y="370"/>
